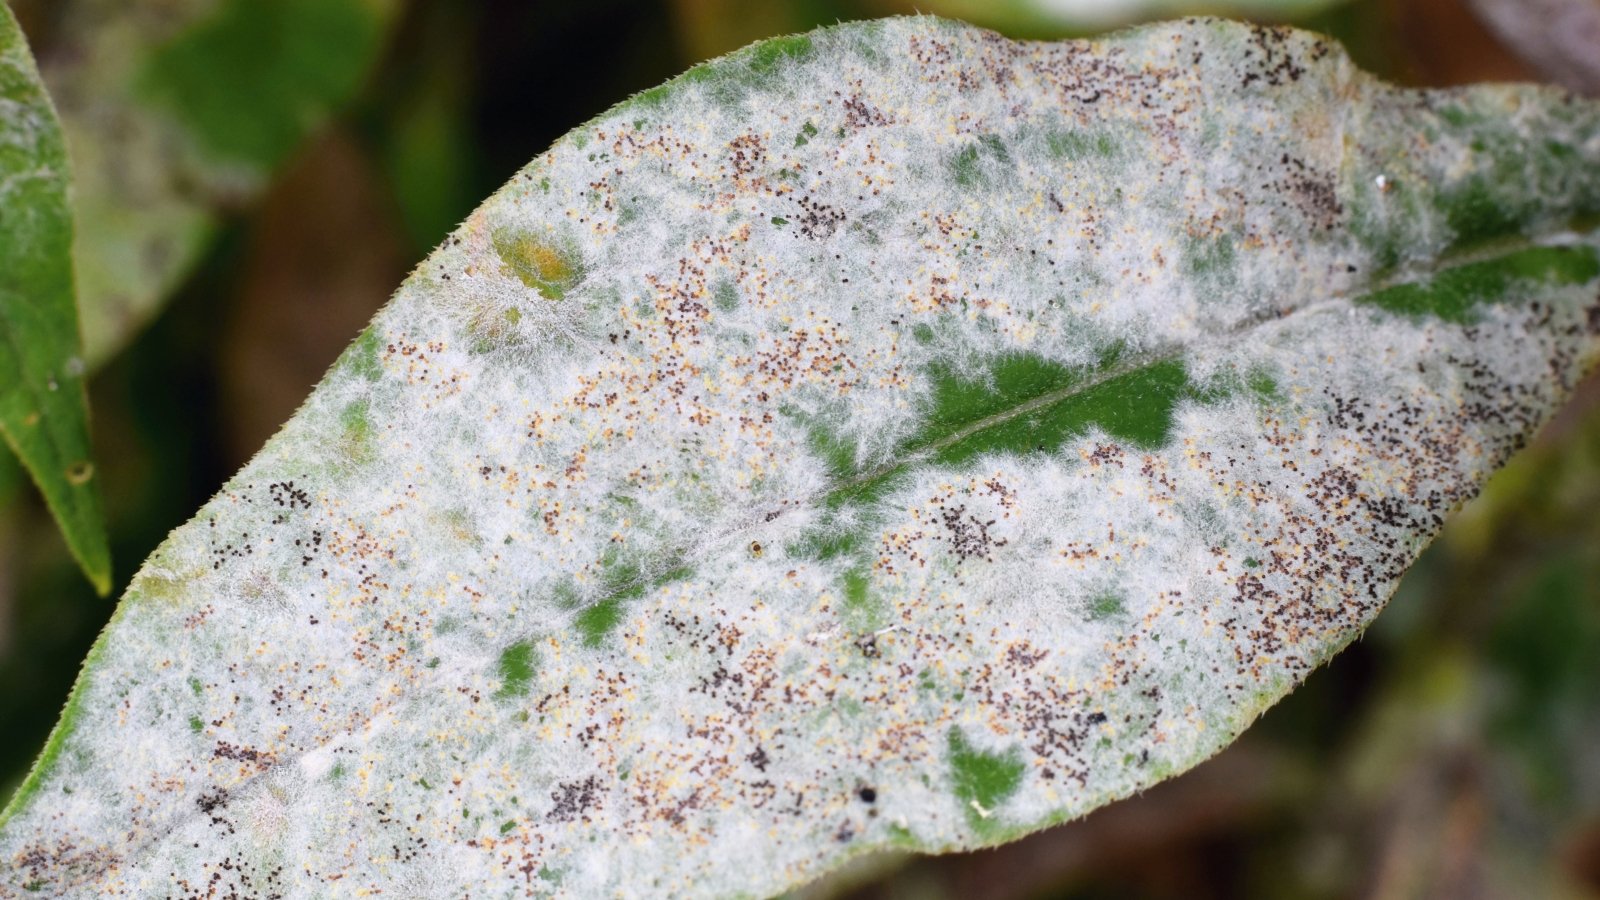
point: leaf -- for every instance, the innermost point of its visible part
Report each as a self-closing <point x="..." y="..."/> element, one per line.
<point x="177" y="113"/>
<point x="44" y="415"/>
<point x="1556" y="37"/>
<point x="893" y="436"/>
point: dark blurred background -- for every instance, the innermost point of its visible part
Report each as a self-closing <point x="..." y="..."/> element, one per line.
<point x="1453" y="752"/>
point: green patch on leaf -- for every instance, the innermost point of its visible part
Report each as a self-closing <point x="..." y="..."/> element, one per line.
<point x="863" y="609"/>
<point x="620" y="574"/>
<point x="1081" y="145"/>
<point x="1263" y="385"/>
<point x="599" y="620"/>
<point x="1514" y="181"/>
<point x="974" y="164"/>
<point x="355" y="420"/>
<point x="566" y="593"/>
<point x="866" y="491"/>
<point x="964" y="167"/>
<point x="516" y="670"/>
<point x="361" y="357"/>
<point x="1027" y="416"/>
<point x="838" y="453"/>
<point x="902" y="838"/>
<point x="1460" y="116"/>
<point x="830" y="540"/>
<point x="461" y="525"/>
<point x="1478" y="212"/>
<point x="765" y="56"/>
<point x="839" y="456"/>
<point x="730" y="77"/>
<point x="1213" y="260"/>
<point x="622" y="581"/>
<point x="982" y="780"/>
<point x="1007" y="382"/>
<point x="1022" y="404"/>
<point x="1107" y="605"/>
<point x="1455" y="294"/>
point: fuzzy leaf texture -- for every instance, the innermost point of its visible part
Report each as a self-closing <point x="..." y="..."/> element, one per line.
<point x="44" y="414"/>
<point x="890" y="437"/>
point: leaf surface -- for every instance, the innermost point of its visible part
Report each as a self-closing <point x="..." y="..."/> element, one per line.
<point x="44" y="415"/>
<point x="893" y="436"/>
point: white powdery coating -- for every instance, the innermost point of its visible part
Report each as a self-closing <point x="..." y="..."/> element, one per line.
<point x="642" y="545"/>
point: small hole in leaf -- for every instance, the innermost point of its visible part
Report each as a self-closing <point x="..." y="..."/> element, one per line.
<point x="80" y="472"/>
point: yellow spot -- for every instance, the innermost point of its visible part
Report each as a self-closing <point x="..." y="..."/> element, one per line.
<point x="539" y="265"/>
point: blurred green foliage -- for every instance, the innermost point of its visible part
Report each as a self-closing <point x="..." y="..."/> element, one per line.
<point x="243" y="104"/>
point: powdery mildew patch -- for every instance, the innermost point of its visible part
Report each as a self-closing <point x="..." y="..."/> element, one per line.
<point x="893" y="436"/>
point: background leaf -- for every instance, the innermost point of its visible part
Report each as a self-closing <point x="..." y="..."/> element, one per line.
<point x="1045" y="18"/>
<point x="43" y="414"/>
<point x="178" y="113"/>
<point x="1557" y="36"/>
<point x="968" y="167"/>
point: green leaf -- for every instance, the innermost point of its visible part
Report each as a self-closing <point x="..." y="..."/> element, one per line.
<point x="44" y="415"/>
<point x="180" y="112"/>
<point x="1086" y="397"/>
